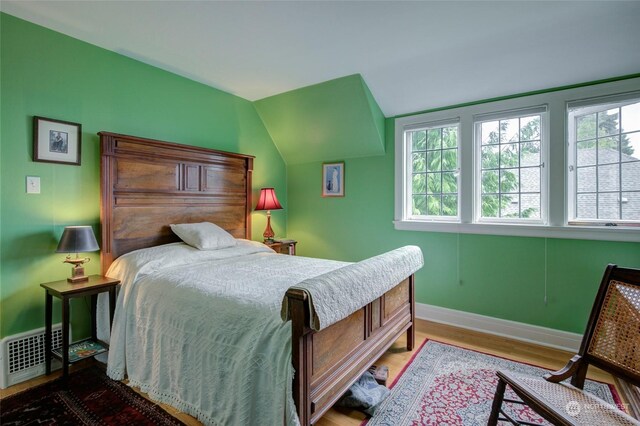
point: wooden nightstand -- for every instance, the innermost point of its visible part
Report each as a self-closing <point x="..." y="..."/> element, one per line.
<point x="283" y="246"/>
<point x="66" y="291"/>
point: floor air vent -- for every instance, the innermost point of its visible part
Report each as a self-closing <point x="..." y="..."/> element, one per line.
<point x="22" y="355"/>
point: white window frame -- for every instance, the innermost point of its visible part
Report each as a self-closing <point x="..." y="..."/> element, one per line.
<point x="556" y="167"/>
<point x="544" y="142"/>
<point x="408" y="194"/>
<point x="595" y="104"/>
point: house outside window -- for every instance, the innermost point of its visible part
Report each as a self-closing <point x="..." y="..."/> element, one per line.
<point x="604" y="161"/>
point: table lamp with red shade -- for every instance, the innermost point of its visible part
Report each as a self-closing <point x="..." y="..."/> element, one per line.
<point x="268" y="201"/>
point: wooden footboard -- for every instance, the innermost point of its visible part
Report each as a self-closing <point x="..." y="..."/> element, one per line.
<point x="329" y="361"/>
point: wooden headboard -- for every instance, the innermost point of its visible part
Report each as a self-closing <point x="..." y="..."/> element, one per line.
<point x="146" y="184"/>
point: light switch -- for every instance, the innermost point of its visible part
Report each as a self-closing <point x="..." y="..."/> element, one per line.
<point x="33" y="184"/>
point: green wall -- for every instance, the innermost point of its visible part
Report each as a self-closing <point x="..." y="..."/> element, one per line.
<point x="308" y="123"/>
<point x="498" y="276"/>
<point x="48" y="74"/>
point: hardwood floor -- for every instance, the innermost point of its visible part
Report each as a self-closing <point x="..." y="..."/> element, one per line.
<point x="397" y="357"/>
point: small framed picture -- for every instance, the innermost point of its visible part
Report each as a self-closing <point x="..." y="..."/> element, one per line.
<point x="56" y="141"/>
<point x="333" y="179"/>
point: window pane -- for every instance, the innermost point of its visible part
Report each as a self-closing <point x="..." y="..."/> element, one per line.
<point x="608" y="150"/>
<point x="489" y="132"/>
<point x="631" y="176"/>
<point x="433" y="161"/>
<point x="608" y="122"/>
<point x="530" y="154"/>
<point x="433" y="183"/>
<point x="520" y="146"/>
<point x="530" y="206"/>
<point x="586" y="179"/>
<point x="509" y="206"/>
<point x="419" y="162"/>
<point x="609" y="178"/>
<point x="449" y="183"/>
<point x="608" y="138"/>
<point x="419" y="183"/>
<point x="631" y="146"/>
<point x="509" y="180"/>
<point x="586" y="153"/>
<point x="490" y="157"/>
<point x="450" y="137"/>
<point x="509" y="155"/>
<point x="419" y="140"/>
<point x="586" y="127"/>
<point x="490" y="182"/>
<point x="587" y="206"/>
<point x="530" y="179"/>
<point x="509" y="130"/>
<point x="449" y="159"/>
<point x="630" y="119"/>
<point x="419" y="204"/>
<point x="608" y="206"/>
<point x="431" y="149"/>
<point x="530" y="128"/>
<point x="450" y="205"/>
<point x="434" y="139"/>
<point x="631" y="205"/>
<point x="490" y="206"/>
<point x="433" y="205"/>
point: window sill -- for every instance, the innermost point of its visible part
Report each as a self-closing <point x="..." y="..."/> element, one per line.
<point x="619" y="233"/>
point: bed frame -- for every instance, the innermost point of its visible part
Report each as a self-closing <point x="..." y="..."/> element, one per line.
<point x="148" y="184"/>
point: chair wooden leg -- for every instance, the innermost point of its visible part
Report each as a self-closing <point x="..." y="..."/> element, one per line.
<point x="580" y="375"/>
<point x="497" y="403"/>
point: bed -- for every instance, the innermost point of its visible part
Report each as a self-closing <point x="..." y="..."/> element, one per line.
<point x="146" y="185"/>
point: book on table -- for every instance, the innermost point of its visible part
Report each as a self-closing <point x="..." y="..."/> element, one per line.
<point x="82" y="349"/>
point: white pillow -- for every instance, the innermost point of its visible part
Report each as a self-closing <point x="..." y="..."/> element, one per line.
<point x="204" y="235"/>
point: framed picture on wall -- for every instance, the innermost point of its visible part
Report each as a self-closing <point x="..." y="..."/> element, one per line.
<point x="56" y="141"/>
<point x="333" y="179"/>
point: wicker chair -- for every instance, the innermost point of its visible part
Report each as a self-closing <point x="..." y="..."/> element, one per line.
<point x="611" y="342"/>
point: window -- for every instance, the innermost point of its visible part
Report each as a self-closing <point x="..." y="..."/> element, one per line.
<point x="433" y="177"/>
<point x="604" y="161"/>
<point x="510" y="161"/>
<point x="558" y="164"/>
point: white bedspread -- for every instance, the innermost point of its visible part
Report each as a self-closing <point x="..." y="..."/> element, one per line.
<point x="201" y="330"/>
<point x="337" y="294"/>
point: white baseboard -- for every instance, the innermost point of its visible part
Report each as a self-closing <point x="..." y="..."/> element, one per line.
<point x="515" y="330"/>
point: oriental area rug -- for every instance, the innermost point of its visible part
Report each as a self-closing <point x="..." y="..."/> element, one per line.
<point x="447" y="385"/>
<point x="91" y="398"/>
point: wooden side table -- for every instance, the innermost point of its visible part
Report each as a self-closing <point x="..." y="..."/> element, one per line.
<point x="65" y="291"/>
<point x="283" y="246"/>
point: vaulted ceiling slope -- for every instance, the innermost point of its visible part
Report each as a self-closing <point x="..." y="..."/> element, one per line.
<point x="333" y="120"/>
<point x="413" y="55"/>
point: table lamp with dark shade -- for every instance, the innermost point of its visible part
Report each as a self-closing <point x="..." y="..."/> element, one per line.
<point x="77" y="239"/>
<point x="268" y="201"/>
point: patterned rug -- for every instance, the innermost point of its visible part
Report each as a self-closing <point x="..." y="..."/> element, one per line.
<point x="447" y="385"/>
<point x="90" y="399"/>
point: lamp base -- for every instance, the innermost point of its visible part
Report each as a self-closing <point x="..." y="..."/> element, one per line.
<point x="268" y="232"/>
<point x="77" y="275"/>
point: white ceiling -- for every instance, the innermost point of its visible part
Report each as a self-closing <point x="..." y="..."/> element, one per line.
<point x="413" y="55"/>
